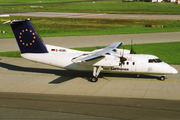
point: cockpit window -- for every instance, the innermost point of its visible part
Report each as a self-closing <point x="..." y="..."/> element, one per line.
<point x="158" y="60"/>
<point x="155" y="60"/>
<point x="152" y="61"/>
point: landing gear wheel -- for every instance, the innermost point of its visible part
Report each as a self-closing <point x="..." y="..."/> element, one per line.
<point x="94" y="79"/>
<point x="162" y="78"/>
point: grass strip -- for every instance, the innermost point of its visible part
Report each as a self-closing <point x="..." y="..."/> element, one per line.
<point x="12" y="2"/>
<point x="49" y="27"/>
<point x="106" y="6"/>
<point x="11" y="54"/>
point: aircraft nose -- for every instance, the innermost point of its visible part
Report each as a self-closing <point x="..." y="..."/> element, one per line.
<point x="175" y="71"/>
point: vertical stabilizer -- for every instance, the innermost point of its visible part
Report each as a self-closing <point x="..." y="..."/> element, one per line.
<point x="27" y="38"/>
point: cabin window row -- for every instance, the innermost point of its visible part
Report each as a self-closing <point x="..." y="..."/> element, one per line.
<point x="127" y="63"/>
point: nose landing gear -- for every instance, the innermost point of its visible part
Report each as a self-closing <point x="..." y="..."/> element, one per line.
<point x="162" y="78"/>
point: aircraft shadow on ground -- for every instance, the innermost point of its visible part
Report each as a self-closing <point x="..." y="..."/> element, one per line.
<point x="66" y="75"/>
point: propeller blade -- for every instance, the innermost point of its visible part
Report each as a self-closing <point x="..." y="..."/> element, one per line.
<point x="122" y="59"/>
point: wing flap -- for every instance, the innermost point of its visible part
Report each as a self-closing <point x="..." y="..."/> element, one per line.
<point x="90" y="58"/>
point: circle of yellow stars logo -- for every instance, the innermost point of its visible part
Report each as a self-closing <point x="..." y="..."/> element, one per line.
<point x="24" y="43"/>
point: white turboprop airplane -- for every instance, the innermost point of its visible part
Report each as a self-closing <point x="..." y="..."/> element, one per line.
<point x="111" y="59"/>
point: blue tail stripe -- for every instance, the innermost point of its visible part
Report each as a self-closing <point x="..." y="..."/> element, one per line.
<point x="27" y="38"/>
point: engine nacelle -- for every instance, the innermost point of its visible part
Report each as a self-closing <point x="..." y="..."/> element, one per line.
<point x="122" y="51"/>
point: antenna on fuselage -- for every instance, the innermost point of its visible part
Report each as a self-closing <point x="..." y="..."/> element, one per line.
<point x="132" y="51"/>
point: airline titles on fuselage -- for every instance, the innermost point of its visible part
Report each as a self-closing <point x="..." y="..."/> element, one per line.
<point x="120" y="69"/>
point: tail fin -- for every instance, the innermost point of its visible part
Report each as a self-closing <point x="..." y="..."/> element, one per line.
<point x="27" y="38"/>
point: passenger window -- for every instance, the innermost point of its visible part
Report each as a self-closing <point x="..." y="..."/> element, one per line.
<point x="133" y="63"/>
<point x="127" y="63"/>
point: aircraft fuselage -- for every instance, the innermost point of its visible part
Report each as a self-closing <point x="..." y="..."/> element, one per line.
<point x="135" y="63"/>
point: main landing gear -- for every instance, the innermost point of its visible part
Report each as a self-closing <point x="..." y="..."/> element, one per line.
<point x="96" y="71"/>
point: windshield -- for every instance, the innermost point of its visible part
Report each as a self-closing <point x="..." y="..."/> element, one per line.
<point x="155" y="60"/>
<point x="158" y="60"/>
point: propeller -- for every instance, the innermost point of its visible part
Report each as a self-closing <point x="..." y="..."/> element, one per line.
<point x="122" y="59"/>
<point x="132" y="51"/>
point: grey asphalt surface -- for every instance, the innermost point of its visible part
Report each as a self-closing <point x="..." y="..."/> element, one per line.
<point x="93" y="15"/>
<point x="22" y="76"/>
<point x="40" y="106"/>
<point x="36" y="91"/>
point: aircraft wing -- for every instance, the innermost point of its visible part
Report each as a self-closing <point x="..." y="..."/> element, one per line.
<point x="109" y="50"/>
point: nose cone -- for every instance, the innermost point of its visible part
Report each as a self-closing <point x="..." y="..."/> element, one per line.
<point x="174" y="71"/>
<point x="167" y="69"/>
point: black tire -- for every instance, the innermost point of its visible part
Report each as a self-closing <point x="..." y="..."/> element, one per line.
<point x="94" y="79"/>
<point x="162" y="78"/>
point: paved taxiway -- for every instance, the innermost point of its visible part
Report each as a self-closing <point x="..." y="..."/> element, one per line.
<point x="99" y="16"/>
<point x="22" y="76"/>
<point x="40" y="106"/>
<point x="37" y="91"/>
